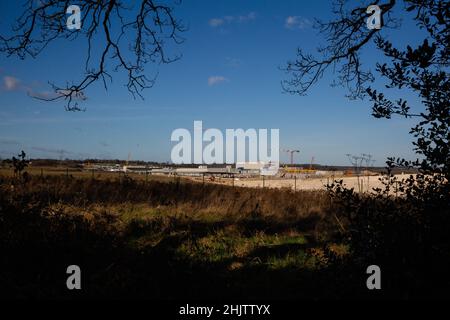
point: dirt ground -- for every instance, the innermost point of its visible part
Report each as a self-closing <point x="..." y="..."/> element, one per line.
<point x="365" y="183"/>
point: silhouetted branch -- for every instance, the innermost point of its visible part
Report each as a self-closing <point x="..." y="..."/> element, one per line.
<point x="109" y="25"/>
<point x="345" y="37"/>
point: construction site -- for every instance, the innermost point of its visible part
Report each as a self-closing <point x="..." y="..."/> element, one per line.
<point x="360" y="175"/>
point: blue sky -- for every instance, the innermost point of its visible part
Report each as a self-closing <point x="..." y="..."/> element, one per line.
<point x="228" y="77"/>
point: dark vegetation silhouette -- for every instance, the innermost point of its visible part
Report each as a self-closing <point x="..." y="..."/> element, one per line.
<point x="178" y="239"/>
<point x="191" y="240"/>
<point x="120" y="36"/>
<point x="19" y="164"/>
<point x="408" y="235"/>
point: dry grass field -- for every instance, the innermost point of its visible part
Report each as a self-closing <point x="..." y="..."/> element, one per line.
<point x="170" y="237"/>
<point x="163" y="239"/>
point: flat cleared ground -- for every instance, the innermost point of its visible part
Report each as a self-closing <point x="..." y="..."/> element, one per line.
<point x="366" y="183"/>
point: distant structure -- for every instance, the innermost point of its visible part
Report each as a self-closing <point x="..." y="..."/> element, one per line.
<point x="249" y="167"/>
<point x="291" y="154"/>
<point x="357" y="162"/>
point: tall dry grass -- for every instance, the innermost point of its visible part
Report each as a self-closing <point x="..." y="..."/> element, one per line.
<point x="155" y="239"/>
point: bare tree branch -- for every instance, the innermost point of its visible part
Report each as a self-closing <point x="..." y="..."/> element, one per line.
<point x="125" y="37"/>
<point x="345" y="37"/>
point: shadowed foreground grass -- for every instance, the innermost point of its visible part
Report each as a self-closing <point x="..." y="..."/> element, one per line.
<point x="169" y="240"/>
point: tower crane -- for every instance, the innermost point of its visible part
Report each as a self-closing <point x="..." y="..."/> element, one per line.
<point x="291" y="153"/>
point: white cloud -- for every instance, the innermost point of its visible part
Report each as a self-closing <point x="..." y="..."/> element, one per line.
<point x="217" y="22"/>
<point x="44" y="95"/>
<point x="213" y="80"/>
<point x="11" y="83"/>
<point x="297" y="22"/>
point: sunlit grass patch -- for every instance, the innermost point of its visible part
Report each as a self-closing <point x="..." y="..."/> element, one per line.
<point x="234" y="250"/>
